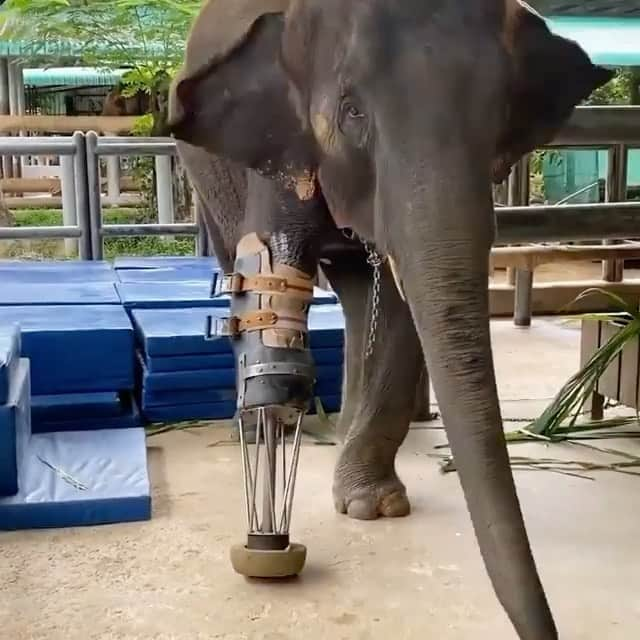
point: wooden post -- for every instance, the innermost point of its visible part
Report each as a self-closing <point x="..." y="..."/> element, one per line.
<point x="121" y="125"/>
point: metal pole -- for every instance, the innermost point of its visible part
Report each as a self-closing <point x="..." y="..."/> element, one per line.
<point x="164" y="190"/>
<point x="615" y="191"/>
<point x="113" y="176"/>
<point x="14" y="108"/>
<point x="82" y="196"/>
<point x="69" y="205"/>
<point x="7" y="162"/>
<point x="93" y="191"/>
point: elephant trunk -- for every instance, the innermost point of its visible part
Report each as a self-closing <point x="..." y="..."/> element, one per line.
<point x="439" y="231"/>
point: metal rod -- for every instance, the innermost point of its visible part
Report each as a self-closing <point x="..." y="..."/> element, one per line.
<point x="7" y="161"/>
<point x="291" y="480"/>
<point x="577" y="193"/>
<point x="269" y="508"/>
<point x="69" y="207"/>
<point x="616" y="191"/>
<point x="93" y="192"/>
<point x="259" y="429"/>
<point x="600" y="126"/>
<point x="85" y="250"/>
<point x="246" y="470"/>
<point x="39" y="233"/>
<point x="55" y="145"/>
<point x="568" y="223"/>
<point x="177" y="229"/>
<point x="133" y="146"/>
<point x="294" y="467"/>
<point x="164" y="190"/>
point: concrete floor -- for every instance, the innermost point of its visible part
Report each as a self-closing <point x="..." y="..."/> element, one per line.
<point x="419" y="577"/>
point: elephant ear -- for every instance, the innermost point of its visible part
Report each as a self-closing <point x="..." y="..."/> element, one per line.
<point x="550" y="75"/>
<point x="231" y="95"/>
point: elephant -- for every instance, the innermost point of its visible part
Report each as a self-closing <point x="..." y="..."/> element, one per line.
<point x="377" y="128"/>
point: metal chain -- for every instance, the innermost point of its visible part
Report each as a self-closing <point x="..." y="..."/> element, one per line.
<point x="374" y="259"/>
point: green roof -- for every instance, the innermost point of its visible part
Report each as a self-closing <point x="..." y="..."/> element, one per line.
<point x="613" y="42"/>
<point x="71" y="77"/>
<point x="611" y="8"/>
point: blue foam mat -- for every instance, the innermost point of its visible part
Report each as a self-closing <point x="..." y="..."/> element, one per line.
<point x="56" y="271"/>
<point x="10" y="345"/>
<point x="151" y="398"/>
<point x="129" y="417"/>
<point x="171" y="364"/>
<point x="75" y="348"/>
<point x="168" y="295"/>
<point x="168" y="274"/>
<point x="154" y="262"/>
<point x="173" y="332"/>
<point x="328" y="376"/>
<point x="179" y="413"/>
<point x="330" y="383"/>
<point x="57" y="293"/>
<point x="185" y="295"/>
<point x="14" y="419"/>
<point x="186" y="380"/>
<point x="70" y="406"/>
<point x="80" y="479"/>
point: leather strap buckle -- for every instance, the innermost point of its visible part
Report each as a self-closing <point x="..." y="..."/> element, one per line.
<point x="233" y="326"/>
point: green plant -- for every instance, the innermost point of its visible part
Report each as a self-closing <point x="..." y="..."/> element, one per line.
<point x="559" y="421"/>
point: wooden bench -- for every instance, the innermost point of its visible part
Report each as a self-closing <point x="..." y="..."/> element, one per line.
<point x="527" y="299"/>
<point x="619" y="382"/>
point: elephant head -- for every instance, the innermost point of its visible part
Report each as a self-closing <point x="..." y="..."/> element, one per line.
<point x="406" y="111"/>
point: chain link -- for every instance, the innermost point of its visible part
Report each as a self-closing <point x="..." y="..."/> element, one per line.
<point x="374" y="259"/>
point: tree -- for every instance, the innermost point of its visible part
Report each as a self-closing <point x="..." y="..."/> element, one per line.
<point x="146" y="37"/>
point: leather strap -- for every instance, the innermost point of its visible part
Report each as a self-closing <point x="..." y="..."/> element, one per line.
<point x="252" y="321"/>
<point x="296" y="287"/>
<point x="257" y="321"/>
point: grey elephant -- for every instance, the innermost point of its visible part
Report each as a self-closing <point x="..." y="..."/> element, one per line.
<point x="391" y="119"/>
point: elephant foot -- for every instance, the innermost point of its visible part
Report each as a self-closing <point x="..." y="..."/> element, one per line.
<point x="368" y="499"/>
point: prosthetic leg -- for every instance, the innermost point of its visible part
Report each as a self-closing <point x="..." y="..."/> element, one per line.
<point x="275" y="377"/>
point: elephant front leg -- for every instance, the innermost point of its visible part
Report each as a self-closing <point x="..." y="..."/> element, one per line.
<point x="379" y="402"/>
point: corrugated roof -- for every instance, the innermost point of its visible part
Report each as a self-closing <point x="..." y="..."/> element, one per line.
<point x="613" y="42"/>
<point x="71" y="77"/>
<point x="610" y="8"/>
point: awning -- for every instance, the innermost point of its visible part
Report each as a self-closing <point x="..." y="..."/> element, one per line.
<point x="71" y="77"/>
<point x="612" y="42"/>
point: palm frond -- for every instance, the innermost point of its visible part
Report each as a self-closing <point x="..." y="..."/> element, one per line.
<point x="559" y="420"/>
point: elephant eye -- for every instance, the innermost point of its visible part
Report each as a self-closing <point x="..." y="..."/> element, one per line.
<point x="353" y="112"/>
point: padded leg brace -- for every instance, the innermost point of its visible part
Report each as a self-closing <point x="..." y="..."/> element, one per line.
<point x="268" y="328"/>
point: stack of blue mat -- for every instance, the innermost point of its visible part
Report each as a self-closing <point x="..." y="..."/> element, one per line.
<point x="63" y="479"/>
<point x="183" y="376"/>
<point x="12" y="399"/>
<point x="81" y="354"/>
